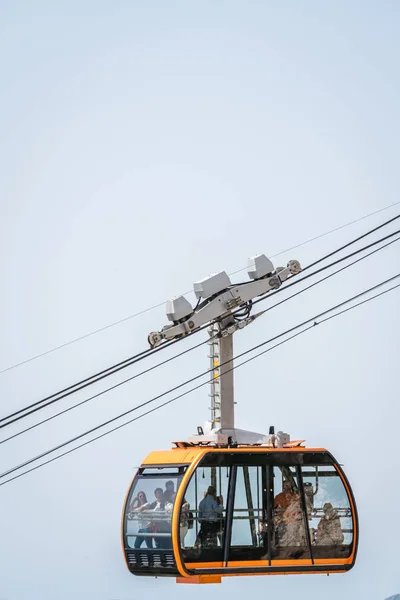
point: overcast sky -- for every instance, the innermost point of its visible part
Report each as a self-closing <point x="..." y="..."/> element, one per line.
<point x="143" y="146"/>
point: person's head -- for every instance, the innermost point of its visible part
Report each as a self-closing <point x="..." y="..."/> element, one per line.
<point x="159" y="494"/>
<point x="169" y="486"/>
<point x="142" y="498"/>
<point x="211" y="491"/>
<point x="327" y="507"/>
<point x="287" y="486"/>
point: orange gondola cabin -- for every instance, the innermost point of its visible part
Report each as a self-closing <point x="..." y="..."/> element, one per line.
<point x="286" y="510"/>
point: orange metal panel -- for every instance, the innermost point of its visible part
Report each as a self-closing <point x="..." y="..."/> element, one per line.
<point x="122" y="521"/>
<point x="305" y="562"/>
<point x="353" y="512"/>
<point x="176" y="513"/>
<point x="250" y="563"/>
<point x="174" y="456"/>
<point x="196" y="579"/>
<point x="207" y="565"/>
<point x="274" y="563"/>
<point x="333" y="561"/>
<point x="308" y="572"/>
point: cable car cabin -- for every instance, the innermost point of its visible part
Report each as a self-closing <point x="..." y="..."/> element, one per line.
<point x="199" y="513"/>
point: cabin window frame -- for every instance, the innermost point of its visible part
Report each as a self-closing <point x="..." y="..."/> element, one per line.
<point x="267" y="461"/>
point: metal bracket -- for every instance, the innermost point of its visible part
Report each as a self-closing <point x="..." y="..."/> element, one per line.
<point x="219" y="306"/>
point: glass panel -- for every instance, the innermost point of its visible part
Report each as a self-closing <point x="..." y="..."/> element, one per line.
<point x="149" y="511"/>
<point x="289" y="538"/>
<point x="329" y="512"/>
<point x="202" y="515"/>
<point x="247" y="510"/>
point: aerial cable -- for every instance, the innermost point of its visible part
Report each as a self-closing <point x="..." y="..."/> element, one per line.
<point x="133" y="360"/>
<point x="113" y="387"/>
<point x="352" y="242"/>
<point x="288" y="331"/>
<point x="175" y="356"/>
<point x="189" y="349"/>
<point x="317" y="237"/>
<point x="152" y="410"/>
<point x="332" y="264"/>
<point x="88" y="381"/>
<point x="141" y="312"/>
<point x="197" y="387"/>
<point x="328" y="276"/>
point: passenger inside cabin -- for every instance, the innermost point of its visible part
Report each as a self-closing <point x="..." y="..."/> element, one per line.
<point x="283" y="501"/>
<point x="210" y="517"/>
<point x="329" y="531"/>
<point x="289" y="523"/>
<point x="159" y="524"/>
<point x="158" y="503"/>
<point x="169" y="506"/>
<point x="139" y="504"/>
<point x="169" y="491"/>
<point x="186" y="520"/>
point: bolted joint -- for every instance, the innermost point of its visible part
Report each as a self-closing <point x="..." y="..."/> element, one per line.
<point x="154" y="338"/>
<point x="274" y="282"/>
<point x="294" y="267"/>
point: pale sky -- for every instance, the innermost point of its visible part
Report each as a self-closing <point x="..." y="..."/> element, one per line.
<point x="143" y="146"/>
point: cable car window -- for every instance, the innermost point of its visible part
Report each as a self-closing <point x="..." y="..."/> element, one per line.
<point x="247" y="513"/>
<point x="289" y="534"/>
<point x="202" y="514"/>
<point x="330" y="517"/>
<point x="149" y="510"/>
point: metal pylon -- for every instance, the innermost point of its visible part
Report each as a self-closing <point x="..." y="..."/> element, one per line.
<point x="215" y="382"/>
